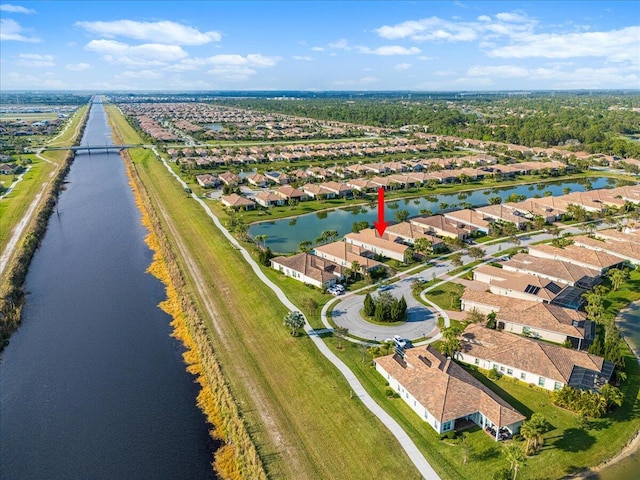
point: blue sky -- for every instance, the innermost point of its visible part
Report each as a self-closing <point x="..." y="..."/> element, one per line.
<point x="327" y="45"/>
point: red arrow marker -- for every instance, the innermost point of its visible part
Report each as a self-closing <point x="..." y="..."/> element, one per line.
<point x="380" y="225"/>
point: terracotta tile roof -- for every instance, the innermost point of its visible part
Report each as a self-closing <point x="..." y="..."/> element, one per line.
<point x="546" y="267"/>
<point x="540" y="358"/>
<point x="573" y="253"/>
<point x="406" y="230"/>
<point x="516" y="281"/>
<point x="235" y="200"/>
<point x="628" y="234"/>
<point x="529" y="313"/>
<point x="349" y="253"/>
<point x="311" y="266"/>
<point x="467" y="216"/>
<point x="369" y="236"/>
<point x="445" y="389"/>
<point x="621" y="248"/>
<point x="439" y="222"/>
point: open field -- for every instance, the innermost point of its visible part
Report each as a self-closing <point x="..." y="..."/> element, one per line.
<point x="298" y="407"/>
<point x="28" y="117"/>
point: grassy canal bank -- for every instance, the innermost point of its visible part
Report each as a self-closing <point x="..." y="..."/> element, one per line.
<point x="299" y="411"/>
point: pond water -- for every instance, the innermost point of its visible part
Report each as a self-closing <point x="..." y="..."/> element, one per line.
<point x="284" y="236"/>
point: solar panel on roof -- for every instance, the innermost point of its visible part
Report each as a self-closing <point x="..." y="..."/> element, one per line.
<point x="532" y="289"/>
<point x="553" y="288"/>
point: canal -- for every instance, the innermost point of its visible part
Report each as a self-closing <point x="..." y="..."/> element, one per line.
<point x="284" y="236"/>
<point x="92" y="384"/>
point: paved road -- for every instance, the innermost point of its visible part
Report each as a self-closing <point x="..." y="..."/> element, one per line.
<point x="401" y="436"/>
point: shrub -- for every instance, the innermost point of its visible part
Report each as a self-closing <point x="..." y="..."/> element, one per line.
<point x="493" y="374"/>
<point x="451" y="435"/>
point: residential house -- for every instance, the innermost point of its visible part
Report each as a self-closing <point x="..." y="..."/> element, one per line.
<point x="369" y="240"/>
<point x="269" y="199"/>
<point x="339" y="189"/>
<point x="468" y="219"/>
<point x="624" y="249"/>
<point x="408" y="233"/>
<point x="439" y="225"/>
<point x="345" y="254"/>
<point x="557" y="271"/>
<point x="277" y="177"/>
<point x="534" y="319"/>
<point x="289" y="193"/>
<point x="444" y="394"/>
<point x="230" y="179"/>
<point x="516" y="284"/>
<point x="313" y="190"/>
<point x="505" y="214"/>
<point x="548" y="366"/>
<point x="310" y="269"/>
<point x="208" y="180"/>
<point x="257" y="180"/>
<point x="237" y="202"/>
<point x="592" y="259"/>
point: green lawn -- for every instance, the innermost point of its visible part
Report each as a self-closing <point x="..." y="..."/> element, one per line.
<point x="447" y="296"/>
<point x="298" y="407"/>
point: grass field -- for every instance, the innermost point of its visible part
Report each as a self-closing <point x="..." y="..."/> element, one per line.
<point x="447" y="296"/>
<point x="302" y="415"/>
<point x="28" y="117"/>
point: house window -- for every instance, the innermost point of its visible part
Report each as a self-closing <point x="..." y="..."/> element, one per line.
<point x="541" y="381"/>
<point x="446" y="426"/>
<point x="502" y="368"/>
<point x="523" y="376"/>
<point x="557" y="386"/>
<point x="526" y="331"/>
<point x="509" y="371"/>
<point x="495" y="366"/>
<point x="477" y="361"/>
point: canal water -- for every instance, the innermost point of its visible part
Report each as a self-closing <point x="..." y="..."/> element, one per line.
<point x="284" y="236"/>
<point x="92" y="384"/>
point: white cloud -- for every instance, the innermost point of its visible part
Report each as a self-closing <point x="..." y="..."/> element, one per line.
<point x="512" y="17"/>
<point x="11" y="30"/>
<point x="341" y="44"/>
<point x="317" y="49"/>
<point x="389" y="50"/>
<point x="15" y="80"/>
<point x="77" y="67"/>
<point x="139" y="75"/>
<point x="157" y="32"/>
<point x="498" y="71"/>
<point x="402" y="66"/>
<point x="425" y="58"/>
<point x="33" y="60"/>
<point x="615" y="45"/>
<point x="302" y="58"/>
<point x="228" y="67"/>
<point x="146" y="54"/>
<point x="438" y="29"/>
<point x="444" y="73"/>
<point x="7" y="7"/>
<point x="559" y="77"/>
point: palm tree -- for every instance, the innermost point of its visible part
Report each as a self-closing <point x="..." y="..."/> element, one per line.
<point x="305" y="245"/>
<point x="263" y="239"/>
<point x="294" y="320"/>
<point x="516" y="457"/>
